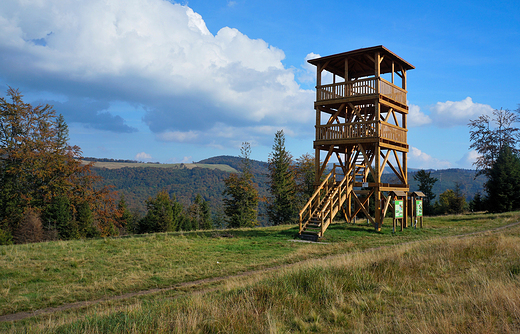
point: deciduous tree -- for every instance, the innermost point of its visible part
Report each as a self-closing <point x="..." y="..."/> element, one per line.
<point x="489" y="134"/>
<point x="38" y="168"/>
<point x="304" y="175"/>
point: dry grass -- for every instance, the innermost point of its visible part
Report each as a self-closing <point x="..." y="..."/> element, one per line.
<point x="455" y="285"/>
<point x="448" y="285"/>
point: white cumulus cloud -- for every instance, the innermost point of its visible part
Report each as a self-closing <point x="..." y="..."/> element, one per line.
<point x="453" y="113"/>
<point x="468" y="159"/>
<point x="420" y="159"/>
<point x="416" y="117"/>
<point x="143" y="156"/>
<point x="154" y="54"/>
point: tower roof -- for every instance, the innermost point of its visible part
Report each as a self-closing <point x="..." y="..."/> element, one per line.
<point x="361" y="62"/>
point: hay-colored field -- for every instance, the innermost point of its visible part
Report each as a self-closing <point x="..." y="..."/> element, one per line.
<point x="117" y="165"/>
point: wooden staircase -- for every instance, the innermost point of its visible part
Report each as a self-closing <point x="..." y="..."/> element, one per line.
<point x="324" y="204"/>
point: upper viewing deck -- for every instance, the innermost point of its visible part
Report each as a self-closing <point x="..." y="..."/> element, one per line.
<point x="361" y="88"/>
<point x="360" y="72"/>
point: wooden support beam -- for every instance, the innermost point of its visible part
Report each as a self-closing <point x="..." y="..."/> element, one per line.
<point x="362" y="207"/>
<point x="322" y="169"/>
<point x="395" y="117"/>
<point x="336" y="114"/>
<point x="384" y="161"/>
<point x="399" y="164"/>
<point x="388" y="114"/>
<point x="343" y="167"/>
<point x="368" y="161"/>
<point x="388" y="199"/>
<point x="393" y="70"/>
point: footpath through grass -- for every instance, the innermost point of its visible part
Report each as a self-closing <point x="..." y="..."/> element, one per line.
<point x="36" y="276"/>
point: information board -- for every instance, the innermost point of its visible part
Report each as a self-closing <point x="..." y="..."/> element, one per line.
<point x="398" y="205"/>
<point x="418" y="207"/>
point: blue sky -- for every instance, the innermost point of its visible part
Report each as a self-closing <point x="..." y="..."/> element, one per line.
<point x="163" y="81"/>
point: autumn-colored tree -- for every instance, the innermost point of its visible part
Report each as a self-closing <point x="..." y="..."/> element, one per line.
<point x="38" y="167"/>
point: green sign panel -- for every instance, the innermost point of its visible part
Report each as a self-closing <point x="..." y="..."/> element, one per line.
<point x="418" y="207"/>
<point x="398" y="205"/>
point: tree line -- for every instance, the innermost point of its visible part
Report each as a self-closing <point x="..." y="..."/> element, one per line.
<point x="49" y="193"/>
<point x="496" y="139"/>
<point x="46" y="192"/>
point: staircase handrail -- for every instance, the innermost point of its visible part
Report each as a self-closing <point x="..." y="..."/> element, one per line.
<point x="334" y="193"/>
<point x="317" y="191"/>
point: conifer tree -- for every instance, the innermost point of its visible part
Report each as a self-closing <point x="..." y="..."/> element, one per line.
<point x="159" y="216"/>
<point x="503" y="185"/>
<point x="241" y="202"/>
<point x="426" y="183"/>
<point x="282" y="207"/>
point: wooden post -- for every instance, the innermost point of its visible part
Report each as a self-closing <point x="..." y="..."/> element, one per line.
<point x="393" y="70"/>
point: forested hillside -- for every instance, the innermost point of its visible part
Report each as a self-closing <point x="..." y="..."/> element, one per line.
<point x="139" y="183"/>
<point x="447" y="179"/>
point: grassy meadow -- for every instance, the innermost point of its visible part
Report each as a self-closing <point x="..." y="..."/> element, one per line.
<point x="430" y="280"/>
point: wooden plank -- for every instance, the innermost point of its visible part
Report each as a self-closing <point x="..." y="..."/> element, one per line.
<point x="393" y="147"/>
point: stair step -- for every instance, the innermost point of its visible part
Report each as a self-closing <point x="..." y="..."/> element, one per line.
<point x="309" y="236"/>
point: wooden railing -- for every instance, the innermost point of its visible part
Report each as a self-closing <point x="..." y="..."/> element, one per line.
<point x="392" y="132"/>
<point x="346" y="130"/>
<point x="361" y="130"/>
<point x="361" y="87"/>
<point x="392" y="91"/>
<point x="316" y="199"/>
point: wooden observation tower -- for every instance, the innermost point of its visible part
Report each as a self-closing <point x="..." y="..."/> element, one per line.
<point x="361" y="127"/>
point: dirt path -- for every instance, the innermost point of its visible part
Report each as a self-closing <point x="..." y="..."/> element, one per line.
<point x="77" y="305"/>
